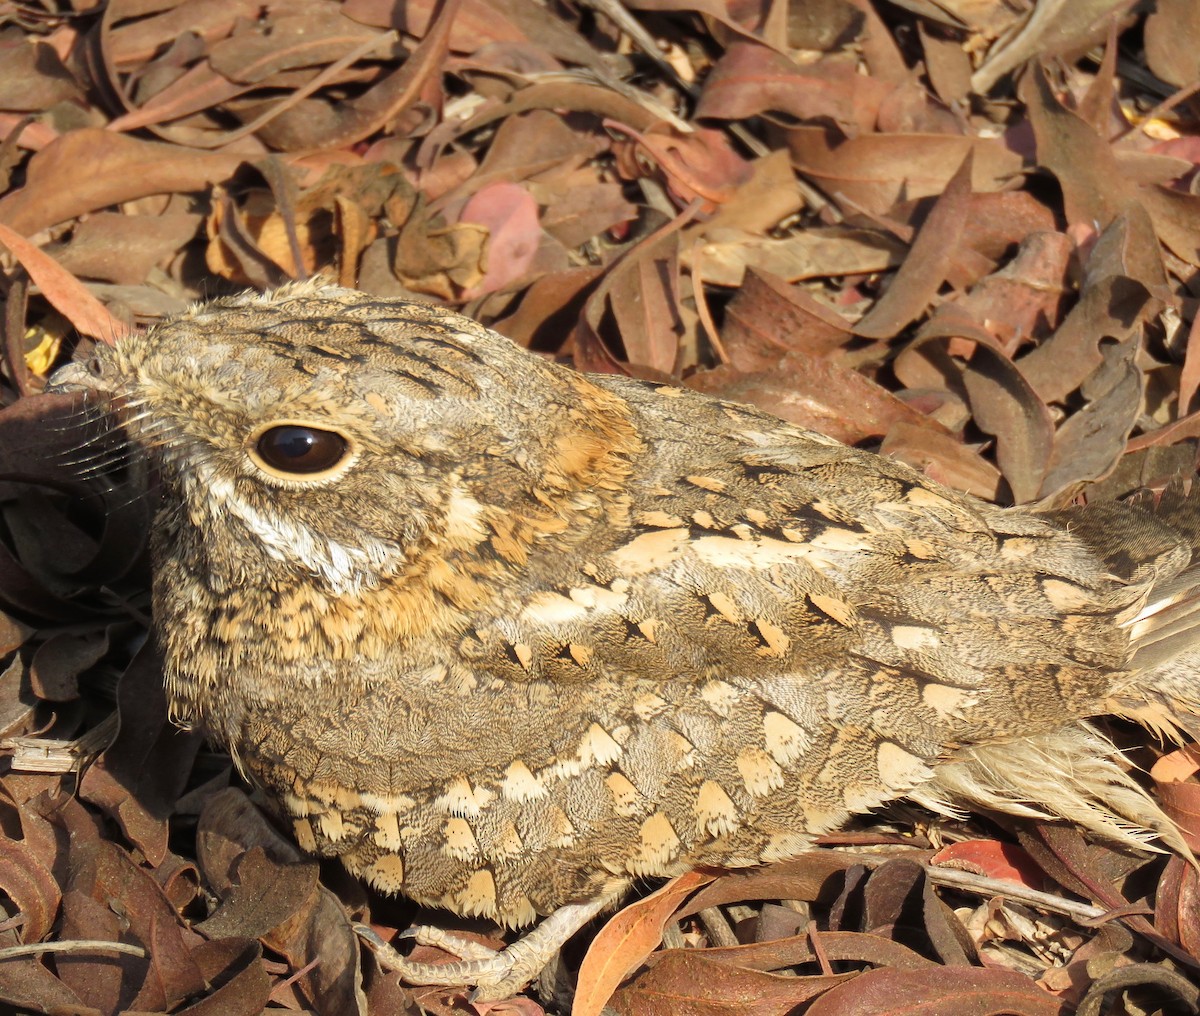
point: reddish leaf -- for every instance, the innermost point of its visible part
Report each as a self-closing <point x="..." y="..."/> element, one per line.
<point x="28" y="882"/>
<point x="689" y="981"/>
<point x="969" y="992"/>
<point x="993" y="858"/>
<point x="511" y="217"/>
<point x="62" y="289"/>
<point x="1178" y="789"/>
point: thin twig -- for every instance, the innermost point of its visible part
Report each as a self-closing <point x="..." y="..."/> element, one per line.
<point x="956" y="878"/>
<point x="13" y="952"/>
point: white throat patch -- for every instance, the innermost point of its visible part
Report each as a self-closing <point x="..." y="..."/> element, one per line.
<point x="346" y="570"/>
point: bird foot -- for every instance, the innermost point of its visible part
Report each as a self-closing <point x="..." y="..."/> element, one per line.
<point x="495" y="974"/>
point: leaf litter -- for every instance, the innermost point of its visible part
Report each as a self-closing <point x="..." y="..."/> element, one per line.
<point x="966" y="234"/>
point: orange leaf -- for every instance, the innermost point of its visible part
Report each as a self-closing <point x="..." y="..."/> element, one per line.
<point x="624" y="943"/>
<point x="66" y="293"/>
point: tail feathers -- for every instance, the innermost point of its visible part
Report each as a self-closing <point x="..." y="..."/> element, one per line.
<point x="1073" y="773"/>
<point x="1166" y="697"/>
<point x="1153" y="547"/>
<point x="1163" y="689"/>
<point x="1152" y="551"/>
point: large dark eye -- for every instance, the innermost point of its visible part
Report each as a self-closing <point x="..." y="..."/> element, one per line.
<point x="293" y="448"/>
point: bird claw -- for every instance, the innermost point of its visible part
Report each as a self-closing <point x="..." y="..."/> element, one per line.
<point x="495" y="974"/>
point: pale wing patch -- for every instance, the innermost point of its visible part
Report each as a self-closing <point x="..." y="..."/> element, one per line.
<point x="647" y="706"/>
<point x="677" y="750"/>
<point x="1066" y="596"/>
<point x="785" y="739"/>
<point x="725" y="606"/>
<point x="649" y="628"/>
<point x="781" y="846"/>
<point x="719" y="696"/>
<point x="305" y="837"/>
<point x="562" y="832"/>
<point x="859" y="797"/>
<point x="519" y="783"/>
<point x="298" y="806"/>
<point x="915" y="637"/>
<point x="478" y="897"/>
<point x="730" y="552"/>
<point x="777" y="642"/>
<point x="597" y="747"/>
<point x="842" y="540"/>
<point x="552" y="608"/>
<point x="463" y="518"/>
<point x="387" y="831"/>
<point x="600" y="598"/>
<point x="384" y="803"/>
<point x="387" y="873"/>
<point x="460" y="840"/>
<point x="507" y="843"/>
<point x="716" y="814"/>
<point x="331" y="825"/>
<point x="948" y="702"/>
<point x="624" y="793"/>
<point x="760" y="773"/>
<point x="659" y="845"/>
<point x="832" y="607"/>
<point x="928" y="499"/>
<point x="649" y="552"/>
<point x="900" y="770"/>
<point x="462" y="799"/>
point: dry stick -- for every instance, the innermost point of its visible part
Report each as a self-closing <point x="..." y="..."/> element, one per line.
<point x="13" y="952"/>
<point x="720" y="932"/>
<point x="956" y="878"/>
<point x="702" y="308"/>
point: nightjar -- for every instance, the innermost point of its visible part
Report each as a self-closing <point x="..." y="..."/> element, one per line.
<point x="506" y="637"/>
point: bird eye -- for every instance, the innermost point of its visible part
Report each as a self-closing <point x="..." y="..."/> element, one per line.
<point x="298" y="450"/>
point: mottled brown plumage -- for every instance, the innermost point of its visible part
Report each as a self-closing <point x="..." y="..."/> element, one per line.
<point x="538" y="634"/>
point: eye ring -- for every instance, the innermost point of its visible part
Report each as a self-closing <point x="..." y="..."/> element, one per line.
<point x="300" y="451"/>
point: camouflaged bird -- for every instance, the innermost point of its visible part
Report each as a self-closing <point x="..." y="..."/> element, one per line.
<point x="506" y="637"/>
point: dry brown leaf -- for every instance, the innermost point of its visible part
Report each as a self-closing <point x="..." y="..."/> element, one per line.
<point x="236" y="842"/>
<point x="750" y="80"/>
<point x="31" y="886"/>
<point x="813" y="254"/>
<point x="1177" y="905"/>
<point x="119" y="169"/>
<point x="973" y="992"/>
<point x="943" y="458"/>
<point x="505" y="94"/>
<point x="691" y="981"/>
<point x="874" y="171"/>
<point x="1170" y="33"/>
<point x="766" y="318"/>
<point x="927" y="264"/>
<point x="817" y="393"/>
<point x="510" y="215"/>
